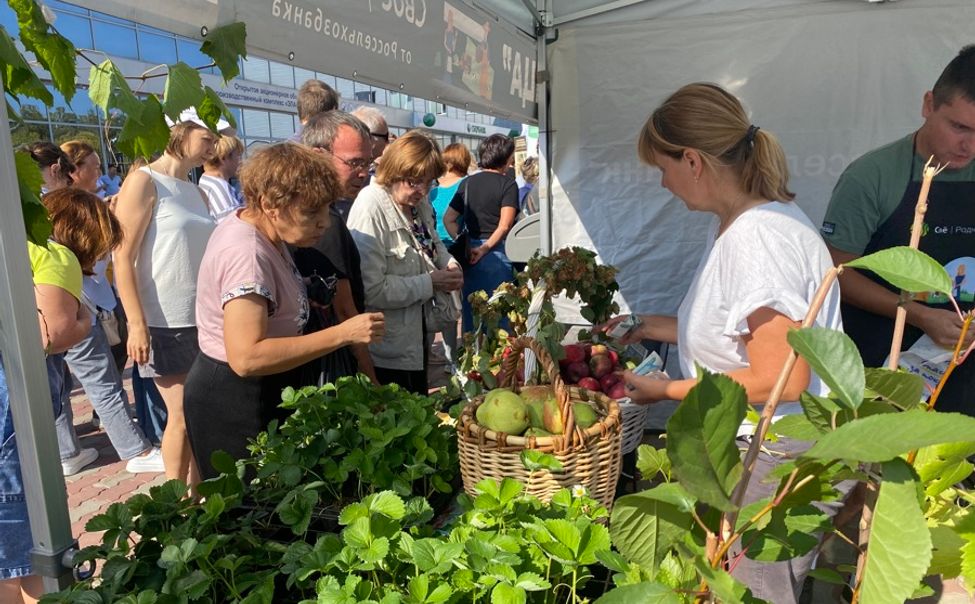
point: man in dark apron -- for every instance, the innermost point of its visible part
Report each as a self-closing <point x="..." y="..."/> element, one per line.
<point x="872" y="208"/>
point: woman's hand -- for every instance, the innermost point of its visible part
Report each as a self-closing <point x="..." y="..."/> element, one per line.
<point x="642" y="389"/>
<point x="138" y="343"/>
<point x="479" y="252"/>
<point x="447" y="279"/>
<point x="366" y="328"/>
<point x="630" y="337"/>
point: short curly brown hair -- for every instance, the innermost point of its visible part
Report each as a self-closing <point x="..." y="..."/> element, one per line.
<point x="290" y="178"/>
<point x="84" y="224"/>
<point x="413" y="156"/>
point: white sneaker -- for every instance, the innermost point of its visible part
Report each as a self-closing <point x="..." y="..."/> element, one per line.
<point x="75" y="464"/>
<point x="147" y="462"/>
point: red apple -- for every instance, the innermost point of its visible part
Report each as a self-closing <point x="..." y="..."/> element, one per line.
<point x="576" y="371"/>
<point x="590" y="384"/>
<point x="614" y="357"/>
<point x="475" y="375"/>
<point x="600" y="365"/>
<point x="618" y="391"/>
<point x="588" y="349"/>
<point x="598" y="349"/>
<point x="609" y="380"/>
<point x="574" y="353"/>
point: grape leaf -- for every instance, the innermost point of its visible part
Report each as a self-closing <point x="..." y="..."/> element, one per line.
<point x="29" y="181"/>
<point x="212" y="108"/>
<point x="108" y="89"/>
<point x="53" y="51"/>
<point x="184" y="89"/>
<point x="146" y="133"/>
<point x="225" y="45"/>
<point x="18" y="77"/>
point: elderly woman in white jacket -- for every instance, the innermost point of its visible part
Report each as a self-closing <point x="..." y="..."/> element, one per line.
<point x="404" y="263"/>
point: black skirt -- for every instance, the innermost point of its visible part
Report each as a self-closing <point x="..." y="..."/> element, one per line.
<point x="225" y="411"/>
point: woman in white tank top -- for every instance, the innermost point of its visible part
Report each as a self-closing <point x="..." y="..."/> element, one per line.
<point x="166" y="223"/>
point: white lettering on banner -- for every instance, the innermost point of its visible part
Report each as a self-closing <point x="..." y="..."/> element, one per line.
<point x="406" y="9"/>
<point x="315" y="20"/>
<point x="522" y="78"/>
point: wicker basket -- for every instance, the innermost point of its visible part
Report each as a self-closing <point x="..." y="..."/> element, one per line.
<point x="634" y="420"/>
<point x="590" y="458"/>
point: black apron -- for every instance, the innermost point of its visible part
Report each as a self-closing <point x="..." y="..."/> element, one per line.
<point x="949" y="234"/>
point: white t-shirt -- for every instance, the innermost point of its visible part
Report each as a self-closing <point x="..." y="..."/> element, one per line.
<point x="771" y="256"/>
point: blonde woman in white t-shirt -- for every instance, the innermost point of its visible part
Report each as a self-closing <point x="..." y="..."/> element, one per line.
<point x="759" y="271"/>
<point x="166" y="224"/>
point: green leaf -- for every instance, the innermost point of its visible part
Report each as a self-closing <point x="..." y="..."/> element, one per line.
<point x="18" y="77"/>
<point x="882" y="437"/>
<point x="29" y="181"/>
<point x="900" y="544"/>
<point x="906" y="269"/>
<point x="835" y="359"/>
<point x="795" y="426"/>
<point x="145" y="135"/>
<point x="565" y="532"/>
<point x="644" y="593"/>
<point x="226" y="45"/>
<point x="651" y="461"/>
<point x="435" y="556"/>
<point x="827" y="575"/>
<point x="222" y="462"/>
<point x="966" y="530"/>
<point x="645" y="526"/>
<point x="613" y="561"/>
<point x="788" y="533"/>
<point x="212" y="108"/>
<point x="376" y="551"/>
<point x="701" y="439"/>
<point x="388" y="504"/>
<point x="895" y="387"/>
<point x="507" y="594"/>
<point x="533" y="582"/>
<point x="535" y="460"/>
<point x="54" y="52"/>
<point x="595" y="538"/>
<point x="942" y="466"/>
<point x="108" y="89"/>
<point x="184" y="89"/>
<point x="946" y="552"/>
<point x="724" y="586"/>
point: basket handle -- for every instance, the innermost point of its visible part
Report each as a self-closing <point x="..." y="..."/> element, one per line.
<point x="509" y="368"/>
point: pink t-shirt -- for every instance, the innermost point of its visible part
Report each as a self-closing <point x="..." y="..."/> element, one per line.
<point x="239" y="260"/>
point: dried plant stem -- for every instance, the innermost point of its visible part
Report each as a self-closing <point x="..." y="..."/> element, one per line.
<point x="920" y="209"/>
<point x="728" y="520"/>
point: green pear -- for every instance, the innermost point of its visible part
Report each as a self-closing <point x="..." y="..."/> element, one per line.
<point x="552" y="416"/>
<point x="535" y="397"/>
<point x="585" y="415"/>
<point x="503" y="411"/>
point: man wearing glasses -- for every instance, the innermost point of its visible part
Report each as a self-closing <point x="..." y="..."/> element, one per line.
<point x="346" y="143"/>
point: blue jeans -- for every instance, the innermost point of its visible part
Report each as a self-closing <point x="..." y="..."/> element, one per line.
<point x="150" y="409"/>
<point x="490" y="271"/>
<point x="92" y="363"/>
<point x="15" y="536"/>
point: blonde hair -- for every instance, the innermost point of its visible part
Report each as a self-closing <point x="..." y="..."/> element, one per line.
<point x="290" y="178"/>
<point x="529" y="169"/>
<point x="225" y="147"/>
<point x="178" y="135"/>
<point x="413" y="156"/>
<point x="77" y="151"/>
<point x="710" y="120"/>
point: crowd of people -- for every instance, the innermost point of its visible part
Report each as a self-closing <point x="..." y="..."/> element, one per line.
<point x="344" y="250"/>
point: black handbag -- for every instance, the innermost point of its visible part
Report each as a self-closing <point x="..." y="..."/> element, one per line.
<point x="460" y="249"/>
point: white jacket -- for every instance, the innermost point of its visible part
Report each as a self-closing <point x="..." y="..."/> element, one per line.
<point x="395" y="275"/>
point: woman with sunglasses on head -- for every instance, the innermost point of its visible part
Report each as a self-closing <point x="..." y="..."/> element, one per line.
<point x="487" y="203"/>
<point x="404" y="263"/>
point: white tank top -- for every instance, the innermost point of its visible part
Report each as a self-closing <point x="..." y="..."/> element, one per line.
<point x="172" y="250"/>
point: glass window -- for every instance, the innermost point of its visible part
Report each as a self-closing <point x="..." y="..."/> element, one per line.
<point x="73" y="132"/>
<point x="282" y="125"/>
<point x="65" y="6"/>
<point x="188" y="51"/>
<point x="30" y="109"/>
<point x="25" y="133"/>
<point x="239" y="118"/>
<point x="157" y="49"/>
<point x="111" y="19"/>
<point x="256" y="123"/>
<point x="380" y="96"/>
<point x="80" y="109"/>
<point x="114" y="39"/>
<point x="302" y="75"/>
<point x="328" y="79"/>
<point x="257" y="70"/>
<point x="282" y="75"/>
<point x="75" y="28"/>
<point x="346" y="88"/>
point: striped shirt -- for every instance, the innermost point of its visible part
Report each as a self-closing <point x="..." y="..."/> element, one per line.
<point x="222" y="198"/>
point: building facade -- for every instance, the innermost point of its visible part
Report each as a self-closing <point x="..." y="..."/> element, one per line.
<point x="262" y="98"/>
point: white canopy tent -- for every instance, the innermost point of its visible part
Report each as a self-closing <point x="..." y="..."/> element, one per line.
<point x="831" y="78"/>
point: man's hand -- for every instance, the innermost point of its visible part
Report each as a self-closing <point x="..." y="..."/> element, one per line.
<point x="943" y="327"/>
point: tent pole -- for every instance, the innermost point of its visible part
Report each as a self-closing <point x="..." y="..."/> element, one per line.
<point x="544" y="141"/>
<point x="30" y="396"/>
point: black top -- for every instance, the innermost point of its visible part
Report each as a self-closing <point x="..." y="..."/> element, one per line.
<point x="487" y="193"/>
<point x="338" y="248"/>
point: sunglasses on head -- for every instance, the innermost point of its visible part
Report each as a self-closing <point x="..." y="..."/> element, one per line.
<point x="383" y="135"/>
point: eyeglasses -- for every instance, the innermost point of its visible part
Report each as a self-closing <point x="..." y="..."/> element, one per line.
<point x="418" y="185"/>
<point x="380" y="135"/>
<point x="357" y="163"/>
